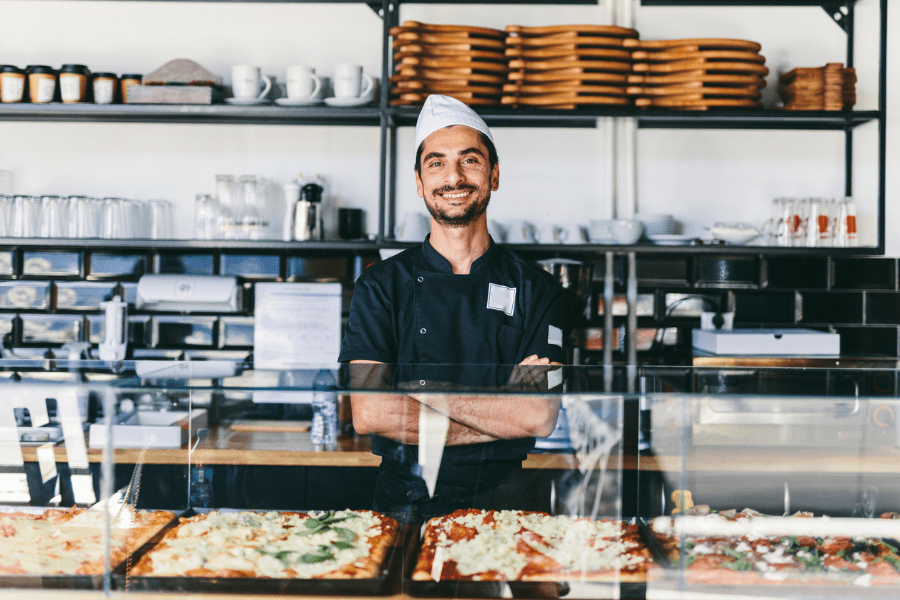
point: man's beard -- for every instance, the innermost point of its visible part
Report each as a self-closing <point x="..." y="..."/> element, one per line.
<point x="471" y="213"/>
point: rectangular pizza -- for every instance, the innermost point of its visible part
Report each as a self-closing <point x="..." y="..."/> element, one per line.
<point x="788" y="559"/>
<point x="344" y="544"/>
<point x="507" y="545"/>
<point x="71" y="542"/>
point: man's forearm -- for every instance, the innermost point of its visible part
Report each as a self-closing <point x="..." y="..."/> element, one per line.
<point x="505" y="417"/>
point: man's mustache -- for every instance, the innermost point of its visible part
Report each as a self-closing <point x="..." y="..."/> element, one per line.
<point x="456" y="188"/>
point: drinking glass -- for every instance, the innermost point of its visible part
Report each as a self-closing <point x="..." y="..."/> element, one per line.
<point x="52" y="218"/>
<point x="115" y="214"/>
<point x="26" y="210"/>
<point x="845" y="228"/>
<point x="228" y="195"/>
<point x="253" y="189"/>
<point x="206" y="216"/>
<point x="160" y="219"/>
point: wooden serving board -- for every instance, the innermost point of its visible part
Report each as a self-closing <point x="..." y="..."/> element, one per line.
<point x="465" y="97"/>
<point x="688" y="88"/>
<point x="582" y="41"/>
<point x="436" y="87"/>
<point x="447" y="75"/>
<point x="567" y="99"/>
<point x="566" y="51"/>
<point x="739" y="55"/>
<point x="701" y="65"/>
<point x="271" y="426"/>
<point x="567" y="75"/>
<point x="454" y="63"/>
<point x="564" y="63"/>
<point x="708" y="43"/>
<point x="410" y="37"/>
<point x="700" y="76"/>
<point x="696" y="103"/>
<point x="407" y="51"/>
<point x="601" y="30"/>
<point x="563" y="87"/>
<point x="444" y="29"/>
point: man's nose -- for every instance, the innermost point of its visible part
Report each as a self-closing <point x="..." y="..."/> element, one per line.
<point x="455" y="174"/>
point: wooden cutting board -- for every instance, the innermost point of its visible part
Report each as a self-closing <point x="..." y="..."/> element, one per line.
<point x="453" y="63"/>
<point x="692" y="76"/>
<point x="738" y="55"/>
<point x="564" y="87"/>
<point x="462" y="30"/>
<point x="701" y="65"/>
<point x="564" y="63"/>
<point x="411" y="74"/>
<point x="567" y="99"/>
<point x="581" y="41"/>
<point x="567" y="75"/>
<point x="689" y="88"/>
<point x="406" y="51"/>
<point x="567" y="51"/>
<point x="410" y="37"/>
<point x="271" y="426"/>
<point x="598" y="30"/>
<point x="707" y="43"/>
<point x="696" y="103"/>
<point x="465" y="97"/>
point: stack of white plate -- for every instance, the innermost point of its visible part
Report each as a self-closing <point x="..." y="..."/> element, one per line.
<point x="657" y="224"/>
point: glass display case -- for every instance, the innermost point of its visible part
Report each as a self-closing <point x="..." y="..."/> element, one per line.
<point x="211" y="477"/>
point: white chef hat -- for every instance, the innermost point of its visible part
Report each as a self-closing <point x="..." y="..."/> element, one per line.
<point x="443" y="111"/>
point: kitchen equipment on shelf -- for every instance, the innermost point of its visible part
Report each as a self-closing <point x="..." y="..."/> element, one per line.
<point x="767" y="342"/>
<point x="308" y="213"/>
<point x="567" y="66"/>
<point x="188" y="293"/>
<point x="115" y="336"/>
<point x="831" y="87"/>
<point x="179" y="81"/>
<point x="734" y="233"/>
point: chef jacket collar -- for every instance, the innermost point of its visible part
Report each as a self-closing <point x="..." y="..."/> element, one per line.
<point x="442" y="265"/>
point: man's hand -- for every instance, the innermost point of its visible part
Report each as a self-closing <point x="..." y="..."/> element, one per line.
<point x="531" y="373"/>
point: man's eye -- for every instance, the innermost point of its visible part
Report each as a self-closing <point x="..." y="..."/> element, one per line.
<point x="435" y="164"/>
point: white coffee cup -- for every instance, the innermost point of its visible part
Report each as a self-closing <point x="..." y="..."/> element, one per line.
<point x="302" y="83"/>
<point x="572" y="233"/>
<point x="519" y="232"/>
<point x="413" y="227"/>
<point x="246" y="82"/>
<point x="626" y="231"/>
<point x="548" y="233"/>
<point x="348" y="79"/>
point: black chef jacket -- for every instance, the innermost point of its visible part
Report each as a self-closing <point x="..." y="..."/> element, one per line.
<point x="412" y="310"/>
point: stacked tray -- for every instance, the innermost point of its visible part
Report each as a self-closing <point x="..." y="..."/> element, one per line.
<point x="567" y="66"/>
<point x="467" y="63"/>
<point x="831" y="87"/>
<point x="697" y="74"/>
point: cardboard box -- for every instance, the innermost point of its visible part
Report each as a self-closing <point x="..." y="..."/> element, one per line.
<point x="767" y="342"/>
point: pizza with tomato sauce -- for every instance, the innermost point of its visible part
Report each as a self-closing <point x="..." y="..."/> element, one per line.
<point x="506" y="545"/>
<point x="757" y="559"/>
<point x="344" y="544"/>
<point x="71" y="542"/>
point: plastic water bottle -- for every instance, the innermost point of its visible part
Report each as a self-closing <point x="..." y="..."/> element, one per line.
<point x="201" y="495"/>
<point x="323" y="431"/>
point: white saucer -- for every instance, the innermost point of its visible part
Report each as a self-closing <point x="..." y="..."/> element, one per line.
<point x="247" y="101"/>
<point x="298" y="102"/>
<point x="346" y="102"/>
<point x="670" y="239"/>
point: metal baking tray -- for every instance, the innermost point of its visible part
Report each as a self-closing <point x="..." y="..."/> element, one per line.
<point x="79" y="582"/>
<point x="381" y="585"/>
<point x="510" y="589"/>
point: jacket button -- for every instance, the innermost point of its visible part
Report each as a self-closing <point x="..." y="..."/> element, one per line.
<point x="421" y="279"/>
<point x="422" y="330"/>
<point x="421" y="382"/>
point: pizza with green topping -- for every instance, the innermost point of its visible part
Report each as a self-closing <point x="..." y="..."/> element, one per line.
<point x="344" y="544"/>
<point x="759" y="559"/>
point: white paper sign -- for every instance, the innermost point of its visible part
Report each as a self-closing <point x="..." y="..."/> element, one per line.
<point x="297" y="325"/>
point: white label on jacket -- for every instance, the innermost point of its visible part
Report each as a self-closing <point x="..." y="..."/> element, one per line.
<point x="555" y="336"/>
<point x="501" y="298"/>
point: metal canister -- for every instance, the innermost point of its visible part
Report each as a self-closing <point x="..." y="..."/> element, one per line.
<point x="308" y="213"/>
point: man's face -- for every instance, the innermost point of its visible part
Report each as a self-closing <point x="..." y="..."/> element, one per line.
<point x="456" y="179"/>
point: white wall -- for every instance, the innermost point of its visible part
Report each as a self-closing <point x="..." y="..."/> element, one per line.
<point x="702" y="176"/>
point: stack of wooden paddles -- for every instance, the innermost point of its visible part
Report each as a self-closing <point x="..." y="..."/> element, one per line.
<point x="697" y="74"/>
<point x="567" y="66"/>
<point x="467" y="63"/>
<point x="831" y="87"/>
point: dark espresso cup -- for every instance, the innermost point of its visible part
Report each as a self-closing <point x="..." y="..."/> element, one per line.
<point x="350" y="223"/>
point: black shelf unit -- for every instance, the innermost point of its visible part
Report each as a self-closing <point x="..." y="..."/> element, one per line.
<point x="388" y="118"/>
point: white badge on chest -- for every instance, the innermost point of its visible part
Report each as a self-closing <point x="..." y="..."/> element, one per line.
<point x="501" y="298"/>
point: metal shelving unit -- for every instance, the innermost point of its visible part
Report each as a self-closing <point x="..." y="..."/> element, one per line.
<point x="388" y="118"/>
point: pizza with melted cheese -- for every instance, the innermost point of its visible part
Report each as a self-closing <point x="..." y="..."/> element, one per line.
<point x="70" y="542"/>
<point x="759" y="559"/>
<point x="479" y="545"/>
<point x="343" y="544"/>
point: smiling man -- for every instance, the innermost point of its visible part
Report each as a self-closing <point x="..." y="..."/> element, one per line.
<point x="457" y="303"/>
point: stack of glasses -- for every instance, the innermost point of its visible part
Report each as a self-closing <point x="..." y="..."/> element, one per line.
<point x="567" y="66"/>
<point x="813" y="222"/>
<point x="80" y="217"/>
<point x="697" y="74"/>
<point x="464" y="62"/>
<point x="245" y="208"/>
